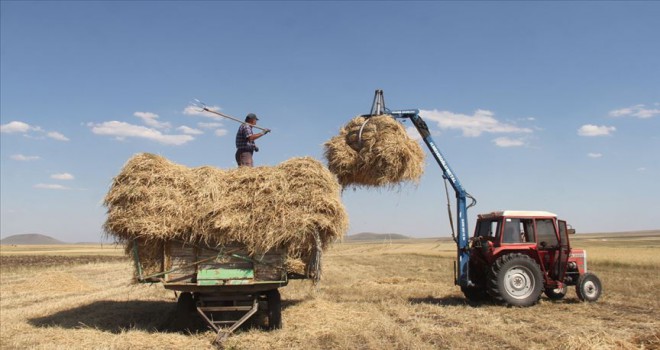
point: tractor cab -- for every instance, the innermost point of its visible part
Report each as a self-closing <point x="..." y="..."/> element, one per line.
<point x="517" y="255"/>
<point x="516" y="227"/>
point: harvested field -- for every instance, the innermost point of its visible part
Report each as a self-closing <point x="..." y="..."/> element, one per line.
<point x="63" y="249"/>
<point x="15" y="262"/>
<point x="374" y="295"/>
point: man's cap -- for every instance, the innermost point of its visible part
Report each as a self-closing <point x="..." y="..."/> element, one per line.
<point x="251" y="116"/>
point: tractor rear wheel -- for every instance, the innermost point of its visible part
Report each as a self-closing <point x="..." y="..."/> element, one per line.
<point x="475" y="293"/>
<point x="515" y="279"/>
<point x="588" y="287"/>
<point x="556" y="293"/>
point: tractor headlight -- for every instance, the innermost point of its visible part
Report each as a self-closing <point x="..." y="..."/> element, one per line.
<point x="572" y="265"/>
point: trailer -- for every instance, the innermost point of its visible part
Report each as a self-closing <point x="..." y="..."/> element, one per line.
<point x="225" y="286"/>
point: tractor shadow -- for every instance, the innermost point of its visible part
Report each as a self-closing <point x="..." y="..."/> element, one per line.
<point x="118" y="316"/>
<point x="461" y="301"/>
<point x="448" y="301"/>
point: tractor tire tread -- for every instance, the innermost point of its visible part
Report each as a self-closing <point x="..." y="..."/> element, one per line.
<point x="496" y="269"/>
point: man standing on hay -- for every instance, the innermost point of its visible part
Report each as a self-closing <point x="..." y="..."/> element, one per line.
<point x="245" y="145"/>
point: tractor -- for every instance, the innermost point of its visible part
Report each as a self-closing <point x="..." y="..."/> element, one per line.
<point x="514" y="256"/>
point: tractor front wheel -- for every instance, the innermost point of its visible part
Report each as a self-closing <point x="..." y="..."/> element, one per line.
<point x="515" y="279"/>
<point x="589" y="287"/>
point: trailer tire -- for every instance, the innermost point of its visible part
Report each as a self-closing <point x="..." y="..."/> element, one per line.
<point x="274" y="309"/>
<point x="182" y="318"/>
<point x="588" y="287"/>
<point x="556" y="293"/>
<point x="515" y="279"/>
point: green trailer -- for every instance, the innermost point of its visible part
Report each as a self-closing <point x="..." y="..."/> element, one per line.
<point x="224" y="285"/>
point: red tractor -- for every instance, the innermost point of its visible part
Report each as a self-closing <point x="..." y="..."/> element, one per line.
<point x="517" y="255"/>
<point x="514" y="256"/>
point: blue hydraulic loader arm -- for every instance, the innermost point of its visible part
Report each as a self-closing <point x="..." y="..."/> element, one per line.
<point x="462" y="277"/>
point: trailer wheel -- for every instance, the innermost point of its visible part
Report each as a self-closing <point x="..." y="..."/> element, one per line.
<point x="185" y="307"/>
<point x="274" y="309"/>
<point x="588" y="287"/>
<point x="556" y="293"/>
<point x="515" y="279"/>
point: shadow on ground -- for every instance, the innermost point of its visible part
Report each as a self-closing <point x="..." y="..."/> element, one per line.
<point x="442" y="301"/>
<point x="459" y="301"/>
<point x="117" y="316"/>
<point x="111" y="316"/>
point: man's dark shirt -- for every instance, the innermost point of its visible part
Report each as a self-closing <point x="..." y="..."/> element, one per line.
<point x="243" y="142"/>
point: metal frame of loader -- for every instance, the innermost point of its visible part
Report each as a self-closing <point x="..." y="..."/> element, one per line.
<point x="462" y="275"/>
<point x="221" y="285"/>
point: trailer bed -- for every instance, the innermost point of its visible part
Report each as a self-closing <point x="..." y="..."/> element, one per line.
<point x="224" y="285"/>
<point x="187" y="267"/>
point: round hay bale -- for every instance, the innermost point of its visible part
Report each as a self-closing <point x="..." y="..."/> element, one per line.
<point x="383" y="155"/>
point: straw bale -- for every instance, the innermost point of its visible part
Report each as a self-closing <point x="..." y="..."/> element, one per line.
<point x="150" y="255"/>
<point x="384" y="154"/>
<point x="295" y="205"/>
<point x="150" y="198"/>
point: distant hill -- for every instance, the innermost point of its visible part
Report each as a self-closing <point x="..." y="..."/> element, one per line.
<point x="644" y="233"/>
<point x="370" y="236"/>
<point x="30" y="238"/>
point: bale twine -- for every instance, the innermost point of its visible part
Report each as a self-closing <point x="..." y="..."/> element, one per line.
<point x="294" y="206"/>
<point x="383" y="155"/>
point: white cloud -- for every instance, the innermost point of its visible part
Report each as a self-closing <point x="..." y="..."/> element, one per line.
<point x="595" y="130"/>
<point x="194" y="110"/>
<point x="24" y="128"/>
<point x="221" y="132"/>
<point x="122" y="130"/>
<point x="62" y="176"/>
<point x="413" y="133"/>
<point x="57" y="136"/>
<point x="482" y="121"/>
<point x="508" y="142"/>
<point x="641" y="169"/>
<point x="594" y="155"/>
<point x="638" y="111"/>
<point x="51" y="187"/>
<point x="23" y="158"/>
<point x="150" y="119"/>
<point x="15" y="127"/>
<point x="212" y="125"/>
<point x="190" y="131"/>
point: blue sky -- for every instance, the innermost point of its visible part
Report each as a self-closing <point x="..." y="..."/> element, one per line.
<point x="536" y="105"/>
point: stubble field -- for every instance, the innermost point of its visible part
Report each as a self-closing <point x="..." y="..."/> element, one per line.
<point x="374" y="295"/>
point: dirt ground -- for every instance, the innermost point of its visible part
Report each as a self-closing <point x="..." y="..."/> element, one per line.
<point x="375" y="295"/>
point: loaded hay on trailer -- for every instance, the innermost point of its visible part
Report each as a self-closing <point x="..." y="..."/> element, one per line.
<point x="374" y="152"/>
<point x="295" y="206"/>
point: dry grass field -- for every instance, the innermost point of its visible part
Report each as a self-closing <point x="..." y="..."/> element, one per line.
<point x="374" y="295"/>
